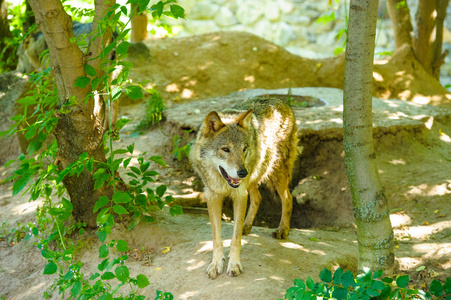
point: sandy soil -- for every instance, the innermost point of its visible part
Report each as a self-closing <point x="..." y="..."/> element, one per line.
<point x="414" y="168"/>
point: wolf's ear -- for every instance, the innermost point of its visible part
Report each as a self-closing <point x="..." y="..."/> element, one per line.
<point x="245" y="119"/>
<point x="212" y="123"/>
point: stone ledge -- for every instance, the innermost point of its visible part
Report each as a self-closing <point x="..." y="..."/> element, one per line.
<point x="388" y="115"/>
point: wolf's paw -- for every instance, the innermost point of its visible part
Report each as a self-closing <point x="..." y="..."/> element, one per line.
<point x="280" y="233"/>
<point x="215" y="268"/>
<point x="247" y="229"/>
<point x="234" y="269"/>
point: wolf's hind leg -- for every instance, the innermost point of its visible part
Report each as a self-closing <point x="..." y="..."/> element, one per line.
<point x="287" y="206"/>
<point x="255" y="199"/>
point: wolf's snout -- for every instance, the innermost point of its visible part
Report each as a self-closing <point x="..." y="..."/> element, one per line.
<point x="242" y="173"/>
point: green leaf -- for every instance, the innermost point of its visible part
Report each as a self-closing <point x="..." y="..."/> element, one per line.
<point x="310" y="283"/>
<point x="102" y="237"/>
<point x="131" y="148"/>
<point x="161" y="190"/>
<point x="120" y="197"/>
<point x="46" y="253"/>
<point x="325" y="275"/>
<point x="126" y="162"/>
<point x="340" y="293"/>
<point x="90" y="70"/>
<point x="178" y="11"/>
<point x="158" y="159"/>
<point x="135" y="170"/>
<point x="447" y="285"/>
<point x="76" y="288"/>
<point x="122" y="246"/>
<point x="107" y="276"/>
<point x="122" y="273"/>
<point x="119" y="209"/>
<point x="148" y="219"/>
<point x="134" y="92"/>
<point x="19" y="184"/>
<point x="436" y="288"/>
<point x="94" y="276"/>
<point x="101" y="203"/>
<point x="337" y="276"/>
<point x="121" y="123"/>
<point x="142" y="281"/>
<point x="82" y="81"/>
<point x="144" y="166"/>
<point x="103" y="251"/>
<point x="107" y="50"/>
<point x="372" y="292"/>
<point x="377" y="274"/>
<point x="402" y="281"/>
<point x="67" y="205"/>
<point x="157" y="9"/>
<point x="95" y="82"/>
<point x="122" y="48"/>
<point x="176" y="210"/>
<point x="50" y="268"/>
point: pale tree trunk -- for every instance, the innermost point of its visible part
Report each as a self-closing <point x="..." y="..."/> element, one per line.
<point x="82" y="129"/>
<point x="139" y="24"/>
<point x="402" y="25"/>
<point x="427" y="38"/>
<point x="374" y="231"/>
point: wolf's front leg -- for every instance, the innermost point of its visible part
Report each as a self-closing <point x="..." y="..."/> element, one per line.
<point x="216" y="267"/>
<point x="239" y="210"/>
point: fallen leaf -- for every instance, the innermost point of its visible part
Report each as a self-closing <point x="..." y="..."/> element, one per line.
<point x="158" y="269"/>
<point x="426" y="223"/>
<point x="166" y="249"/>
<point x="421" y="268"/>
<point x="436" y="211"/>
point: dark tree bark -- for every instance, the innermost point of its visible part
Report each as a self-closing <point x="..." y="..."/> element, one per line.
<point x="375" y="234"/>
<point x="82" y="129"/>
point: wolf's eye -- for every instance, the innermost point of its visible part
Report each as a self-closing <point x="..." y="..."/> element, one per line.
<point x="225" y="149"/>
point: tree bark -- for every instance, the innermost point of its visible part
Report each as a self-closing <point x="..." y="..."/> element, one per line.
<point x="80" y="130"/>
<point x="428" y="36"/>
<point x="402" y="25"/>
<point x="139" y="24"/>
<point x="374" y="231"/>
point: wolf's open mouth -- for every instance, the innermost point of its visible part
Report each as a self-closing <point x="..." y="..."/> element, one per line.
<point x="231" y="181"/>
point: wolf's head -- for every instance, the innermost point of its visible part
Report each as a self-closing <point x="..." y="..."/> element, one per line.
<point x="229" y="143"/>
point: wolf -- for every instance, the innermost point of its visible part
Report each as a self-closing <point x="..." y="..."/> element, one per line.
<point x="234" y="152"/>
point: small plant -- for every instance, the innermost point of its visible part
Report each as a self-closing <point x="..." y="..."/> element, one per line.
<point x="178" y="151"/>
<point x="366" y="286"/>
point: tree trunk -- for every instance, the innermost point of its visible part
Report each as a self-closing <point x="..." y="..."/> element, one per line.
<point x="139" y="24"/>
<point x="402" y="25"/>
<point x="428" y="36"/>
<point x="82" y="129"/>
<point x="374" y="231"/>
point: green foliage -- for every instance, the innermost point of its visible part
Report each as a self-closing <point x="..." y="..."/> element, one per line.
<point x="56" y="231"/>
<point x="154" y="111"/>
<point x="180" y="151"/>
<point x="343" y="285"/>
<point x="330" y="17"/>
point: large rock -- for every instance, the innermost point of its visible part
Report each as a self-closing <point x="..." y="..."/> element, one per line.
<point x="12" y="87"/>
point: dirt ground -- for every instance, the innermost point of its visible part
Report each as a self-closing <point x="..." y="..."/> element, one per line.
<point x="414" y="167"/>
